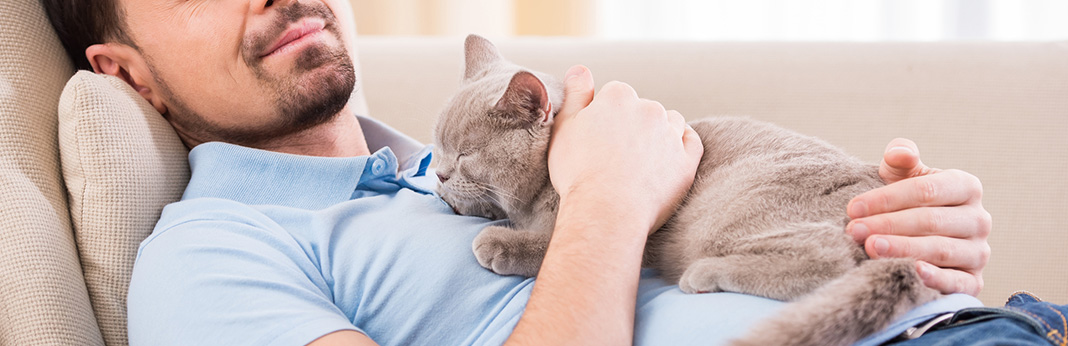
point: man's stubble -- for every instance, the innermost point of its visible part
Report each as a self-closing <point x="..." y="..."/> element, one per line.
<point x="316" y="89"/>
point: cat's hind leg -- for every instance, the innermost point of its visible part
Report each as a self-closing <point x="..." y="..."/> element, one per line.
<point x="782" y="265"/>
<point x="508" y="251"/>
<point x="772" y="276"/>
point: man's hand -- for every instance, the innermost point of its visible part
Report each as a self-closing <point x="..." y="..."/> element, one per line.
<point x="935" y="216"/>
<point x="623" y="149"/>
<point x="620" y="164"/>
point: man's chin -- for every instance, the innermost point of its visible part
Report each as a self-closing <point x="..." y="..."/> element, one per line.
<point x="319" y="94"/>
<point x="321" y="56"/>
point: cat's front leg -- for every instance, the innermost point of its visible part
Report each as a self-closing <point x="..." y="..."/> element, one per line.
<point x="507" y="251"/>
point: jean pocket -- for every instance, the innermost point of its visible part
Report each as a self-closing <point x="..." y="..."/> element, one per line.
<point x="1049" y="319"/>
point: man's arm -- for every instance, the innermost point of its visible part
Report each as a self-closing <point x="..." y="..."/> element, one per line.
<point x="586" y="289"/>
<point x="933" y="215"/>
<point x="343" y="338"/>
<point x="620" y="165"/>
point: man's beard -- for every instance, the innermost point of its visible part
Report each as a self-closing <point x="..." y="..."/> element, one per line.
<point x="314" y="92"/>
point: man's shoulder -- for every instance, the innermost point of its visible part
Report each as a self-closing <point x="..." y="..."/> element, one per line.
<point x="212" y="218"/>
<point x="208" y="209"/>
<point x="212" y="260"/>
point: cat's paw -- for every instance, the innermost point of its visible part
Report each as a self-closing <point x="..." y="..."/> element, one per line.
<point x="701" y="277"/>
<point x="501" y="250"/>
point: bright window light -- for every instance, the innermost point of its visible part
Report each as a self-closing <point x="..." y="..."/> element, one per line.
<point x="833" y="20"/>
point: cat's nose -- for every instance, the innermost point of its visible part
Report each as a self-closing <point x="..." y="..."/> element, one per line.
<point x="443" y="177"/>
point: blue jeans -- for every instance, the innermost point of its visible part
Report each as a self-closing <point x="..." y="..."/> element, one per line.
<point x="1025" y="320"/>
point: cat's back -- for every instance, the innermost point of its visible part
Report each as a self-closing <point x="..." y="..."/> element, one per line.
<point x="728" y="139"/>
<point x="749" y="165"/>
<point x="757" y="146"/>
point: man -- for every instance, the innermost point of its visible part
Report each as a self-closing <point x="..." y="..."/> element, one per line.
<point x="293" y="230"/>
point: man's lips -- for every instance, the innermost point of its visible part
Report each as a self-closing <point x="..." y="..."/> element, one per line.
<point x="296" y="32"/>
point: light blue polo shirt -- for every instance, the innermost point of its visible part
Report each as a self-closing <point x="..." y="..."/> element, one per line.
<point x="275" y="249"/>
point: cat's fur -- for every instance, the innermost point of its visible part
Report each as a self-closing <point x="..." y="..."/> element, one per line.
<point x="765" y="216"/>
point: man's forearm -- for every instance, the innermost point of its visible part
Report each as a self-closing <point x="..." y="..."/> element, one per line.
<point x="586" y="288"/>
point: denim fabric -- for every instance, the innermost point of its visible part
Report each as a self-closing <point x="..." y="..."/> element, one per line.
<point x="1025" y="320"/>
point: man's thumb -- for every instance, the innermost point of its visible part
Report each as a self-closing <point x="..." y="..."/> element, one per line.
<point x="578" y="90"/>
<point x="902" y="161"/>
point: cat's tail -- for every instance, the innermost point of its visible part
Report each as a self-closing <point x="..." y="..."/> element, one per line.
<point x="859" y="303"/>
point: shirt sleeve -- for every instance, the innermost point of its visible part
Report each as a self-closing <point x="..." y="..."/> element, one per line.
<point x="228" y="282"/>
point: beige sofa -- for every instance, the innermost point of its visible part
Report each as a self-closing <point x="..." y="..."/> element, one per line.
<point x="67" y="236"/>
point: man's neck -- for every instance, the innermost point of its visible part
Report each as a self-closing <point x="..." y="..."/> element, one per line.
<point x="340" y="137"/>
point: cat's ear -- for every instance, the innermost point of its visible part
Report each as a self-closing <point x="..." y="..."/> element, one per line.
<point x="479" y="54"/>
<point x="526" y="96"/>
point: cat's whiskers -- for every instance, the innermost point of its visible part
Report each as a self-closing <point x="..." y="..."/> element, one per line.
<point x="492" y="196"/>
<point x="487" y="199"/>
<point x="499" y="192"/>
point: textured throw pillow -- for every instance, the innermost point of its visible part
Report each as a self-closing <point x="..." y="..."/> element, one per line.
<point x="122" y="164"/>
<point x="42" y="298"/>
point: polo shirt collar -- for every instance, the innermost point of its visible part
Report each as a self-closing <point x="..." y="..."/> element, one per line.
<point x="261" y="177"/>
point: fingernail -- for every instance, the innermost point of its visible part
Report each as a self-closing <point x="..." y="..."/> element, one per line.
<point x="882" y="247"/>
<point x="906" y="149"/>
<point x="858" y="209"/>
<point x="860" y="232"/>
<point x="925" y="270"/>
<point x="574" y="72"/>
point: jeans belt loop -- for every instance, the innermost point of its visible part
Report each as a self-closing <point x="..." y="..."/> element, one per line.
<point x="917" y="331"/>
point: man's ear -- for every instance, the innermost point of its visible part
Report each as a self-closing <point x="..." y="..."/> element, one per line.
<point x="126" y="63"/>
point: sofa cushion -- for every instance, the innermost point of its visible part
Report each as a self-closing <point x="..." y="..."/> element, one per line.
<point x="43" y="299"/>
<point x="122" y="164"/>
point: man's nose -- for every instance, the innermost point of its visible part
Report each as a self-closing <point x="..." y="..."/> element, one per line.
<point x="443" y="177"/>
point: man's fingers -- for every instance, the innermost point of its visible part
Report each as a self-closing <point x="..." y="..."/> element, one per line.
<point x="949" y="281"/>
<point x="965" y="221"/>
<point x="691" y="141"/>
<point x="946" y="188"/>
<point x="578" y="90"/>
<point x="940" y="251"/>
<point x="677" y="121"/>
<point x="616" y="91"/>
<point x="901" y="160"/>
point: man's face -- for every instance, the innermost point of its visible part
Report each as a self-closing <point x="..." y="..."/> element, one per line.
<point x="243" y="71"/>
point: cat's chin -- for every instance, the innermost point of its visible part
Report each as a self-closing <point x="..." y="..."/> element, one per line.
<point x="481" y="210"/>
<point x="475" y="208"/>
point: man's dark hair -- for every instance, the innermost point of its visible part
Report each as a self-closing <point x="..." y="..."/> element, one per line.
<point x="83" y="23"/>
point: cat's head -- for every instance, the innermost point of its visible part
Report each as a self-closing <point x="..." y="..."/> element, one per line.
<point x="492" y="139"/>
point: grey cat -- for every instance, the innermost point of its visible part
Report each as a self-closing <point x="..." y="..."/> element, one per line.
<point x="765" y="215"/>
